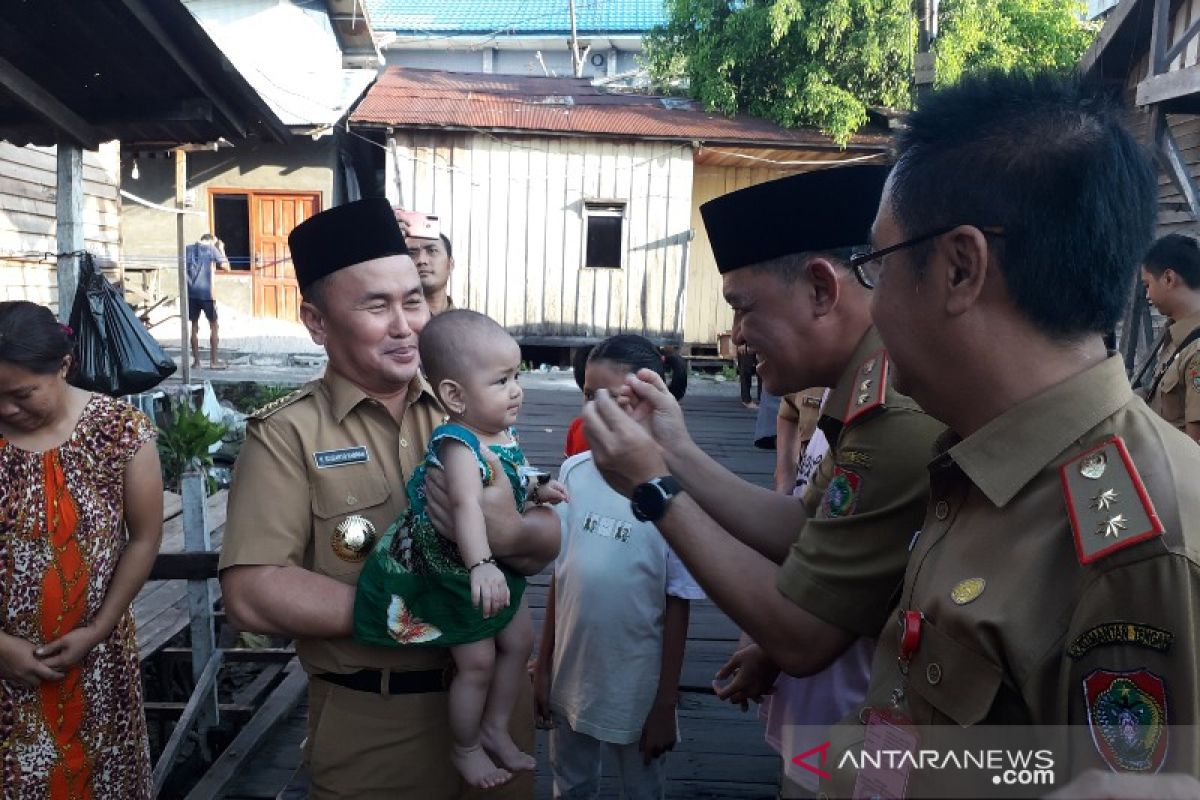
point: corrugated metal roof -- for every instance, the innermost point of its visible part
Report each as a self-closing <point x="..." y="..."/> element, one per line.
<point x="564" y="106"/>
<point x="514" y="16"/>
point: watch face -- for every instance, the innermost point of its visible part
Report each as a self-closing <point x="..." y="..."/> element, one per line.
<point x="648" y="502"/>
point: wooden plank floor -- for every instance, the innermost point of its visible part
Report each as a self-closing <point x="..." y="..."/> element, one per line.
<point x="722" y="753"/>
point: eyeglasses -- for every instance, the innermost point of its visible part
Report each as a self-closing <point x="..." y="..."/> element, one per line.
<point x="868" y="265"/>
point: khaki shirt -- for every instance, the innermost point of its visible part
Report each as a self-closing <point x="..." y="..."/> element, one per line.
<point x="1177" y="399"/>
<point x="284" y="510"/>
<point x="804" y="409"/>
<point x="847" y="564"/>
<point x="1017" y="628"/>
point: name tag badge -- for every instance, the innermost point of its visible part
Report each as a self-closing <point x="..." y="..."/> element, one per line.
<point x="340" y="458"/>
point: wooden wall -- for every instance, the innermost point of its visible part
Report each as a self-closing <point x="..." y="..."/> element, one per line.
<point x="27" y="216"/>
<point x="707" y="312"/>
<point x="513" y="207"/>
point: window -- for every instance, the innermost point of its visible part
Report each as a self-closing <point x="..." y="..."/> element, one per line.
<point x="604" y="222"/>
<point x="231" y="224"/>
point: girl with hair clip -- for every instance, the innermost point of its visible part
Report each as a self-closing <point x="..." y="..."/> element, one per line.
<point x="607" y="671"/>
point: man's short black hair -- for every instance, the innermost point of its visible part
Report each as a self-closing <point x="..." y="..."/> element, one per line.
<point x="1051" y="162"/>
<point x="1178" y="253"/>
<point x="446" y="244"/>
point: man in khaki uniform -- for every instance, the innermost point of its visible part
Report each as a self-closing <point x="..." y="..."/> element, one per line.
<point x="1171" y="275"/>
<point x="803" y="583"/>
<point x="1054" y="581"/>
<point x="320" y="477"/>
<point x="794" y="428"/>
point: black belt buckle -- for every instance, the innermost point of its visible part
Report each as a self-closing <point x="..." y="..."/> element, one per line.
<point x="371" y="680"/>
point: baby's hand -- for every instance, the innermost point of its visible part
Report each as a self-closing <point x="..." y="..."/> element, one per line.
<point x="551" y="492"/>
<point x="489" y="590"/>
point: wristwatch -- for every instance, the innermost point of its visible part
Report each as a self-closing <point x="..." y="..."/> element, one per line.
<point x="650" y="499"/>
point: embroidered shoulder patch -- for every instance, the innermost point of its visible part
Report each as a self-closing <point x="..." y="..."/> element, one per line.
<point x="1131" y="633"/>
<point x="1127" y="716"/>
<point x="283" y="402"/>
<point x="870" y="386"/>
<point x="841" y="496"/>
<point x="1106" y="501"/>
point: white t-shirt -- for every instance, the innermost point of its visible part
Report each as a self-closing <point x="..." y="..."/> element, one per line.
<point x="611" y="582"/>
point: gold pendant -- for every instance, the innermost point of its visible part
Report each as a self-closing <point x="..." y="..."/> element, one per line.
<point x="354" y="538"/>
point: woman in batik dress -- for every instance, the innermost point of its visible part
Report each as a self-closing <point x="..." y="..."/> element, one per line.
<point x="80" y="524"/>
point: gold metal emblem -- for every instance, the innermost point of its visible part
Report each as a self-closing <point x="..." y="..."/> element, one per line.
<point x="1112" y="527"/>
<point x="868" y="367"/>
<point x="862" y="398"/>
<point x="1093" y="466"/>
<point x="966" y="591"/>
<point x="354" y="538"/>
<point x="1105" y="500"/>
<point x="866" y="386"/>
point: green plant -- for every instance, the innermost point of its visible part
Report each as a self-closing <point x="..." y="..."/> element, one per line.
<point x="729" y="372"/>
<point x="183" y="444"/>
<point x="824" y="63"/>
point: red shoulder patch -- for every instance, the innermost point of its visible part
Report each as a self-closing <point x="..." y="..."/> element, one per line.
<point x="870" y="386"/>
<point x="1106" y="501"/>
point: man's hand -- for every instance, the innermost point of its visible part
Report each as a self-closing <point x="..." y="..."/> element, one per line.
<point x="753" y="674"/>
<point x="19" y="663"/>
<point x="70" y="649"/>
<point x="496" y="501"/>
<point x="622" y="449"/>
<point x="658" y="734"/>
<point x="489" y="590"/>
<point x="652" y="404"/>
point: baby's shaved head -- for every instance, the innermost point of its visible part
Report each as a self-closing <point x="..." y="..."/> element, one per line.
<point x="450" y="342"/>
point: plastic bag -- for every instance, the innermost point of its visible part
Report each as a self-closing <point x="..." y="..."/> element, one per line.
<point x="117" y="355"/>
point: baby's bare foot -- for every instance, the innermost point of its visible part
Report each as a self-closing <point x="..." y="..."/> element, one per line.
<point x="477" y="769"/>
<point x="505" y="750"/>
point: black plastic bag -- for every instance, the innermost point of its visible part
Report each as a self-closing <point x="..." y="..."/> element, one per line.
<point x="117" y="355"/>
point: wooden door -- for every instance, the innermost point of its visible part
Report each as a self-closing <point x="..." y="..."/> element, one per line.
<point x="272" y="217"/>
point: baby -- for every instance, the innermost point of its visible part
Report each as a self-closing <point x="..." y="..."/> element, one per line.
<point x="421" y="588"/>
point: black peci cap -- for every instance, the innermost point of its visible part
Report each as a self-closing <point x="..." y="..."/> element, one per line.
<point x="811" y="212"/>
<point x="343" y="236"/>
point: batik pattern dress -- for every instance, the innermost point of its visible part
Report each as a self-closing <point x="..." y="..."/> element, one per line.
<point x="63" y="530"/>
<point x="415" y="588"/>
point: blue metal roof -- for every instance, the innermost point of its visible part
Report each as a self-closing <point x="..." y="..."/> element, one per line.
<point x="514" y="17"/>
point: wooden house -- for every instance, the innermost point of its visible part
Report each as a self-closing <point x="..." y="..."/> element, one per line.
<point x="28" y="217"/>
<point x="317" y="61"/>
<point x="1148" y="52"/>
<point x="573" y="211"/>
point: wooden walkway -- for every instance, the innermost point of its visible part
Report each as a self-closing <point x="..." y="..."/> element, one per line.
<point x="721" y="753"/>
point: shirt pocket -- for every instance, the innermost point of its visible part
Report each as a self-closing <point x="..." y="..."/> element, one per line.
<point x="959" y="684"/>
<point x="337" y="497"/>
<point x="1170" y="379"/>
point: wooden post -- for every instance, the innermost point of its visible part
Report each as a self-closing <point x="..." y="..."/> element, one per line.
<point x="68" y="208"/>
<point x="181" y="246"/>
<point x="200" y="593"/>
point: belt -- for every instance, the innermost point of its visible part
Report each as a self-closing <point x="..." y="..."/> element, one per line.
<point x="371" y="680"/>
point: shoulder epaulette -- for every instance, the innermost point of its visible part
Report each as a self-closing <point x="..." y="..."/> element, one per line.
<point x="283" y="402"/>
<point x="1107" y="501"/>
<point x="870" y="386"/>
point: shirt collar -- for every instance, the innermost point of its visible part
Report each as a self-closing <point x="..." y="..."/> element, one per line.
<point x="1005" y="454"/>
<point x="344" y="396"/>
<point x="1179" y="330"/>
<point x="839" y="397"/>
